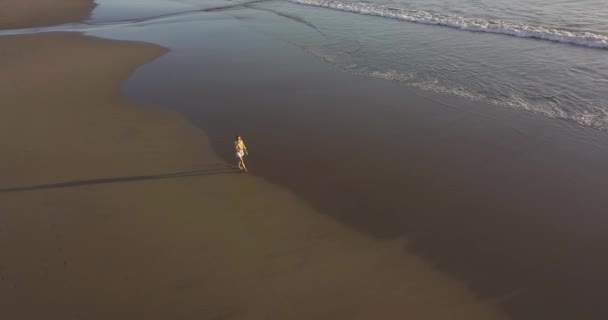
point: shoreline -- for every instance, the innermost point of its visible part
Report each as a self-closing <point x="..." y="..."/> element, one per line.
<point x="373" y="201"/>
<point x="178" y="246"/>
<point x="115" y="210"/>
<point x="500" y="199"/>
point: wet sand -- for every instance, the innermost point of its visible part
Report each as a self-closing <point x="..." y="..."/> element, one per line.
<point x="512" y="204"/>
<point x="514" y="208"/>
<point x="35" y="13"/>
<point x="112" y="210"/>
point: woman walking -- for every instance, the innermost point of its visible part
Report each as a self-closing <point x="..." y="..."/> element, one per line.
<point x="241" y="151"/>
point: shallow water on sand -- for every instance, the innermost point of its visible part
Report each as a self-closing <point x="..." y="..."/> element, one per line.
<point x="557" y="80"/>
<point x="541" y="75"/>
<point x="566" y="80"/>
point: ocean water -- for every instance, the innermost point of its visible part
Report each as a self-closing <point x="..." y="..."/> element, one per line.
<point x="582" y="22"/>
<point x="547" y="57"/>
<point x="540" y="56"/>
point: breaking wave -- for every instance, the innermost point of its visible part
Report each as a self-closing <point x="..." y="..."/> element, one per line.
<point x="580" y="38"/>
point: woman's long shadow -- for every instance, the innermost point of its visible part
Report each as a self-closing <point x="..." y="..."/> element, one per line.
<point x="80" y="183"/>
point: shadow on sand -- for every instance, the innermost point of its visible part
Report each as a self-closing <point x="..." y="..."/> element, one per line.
<point x="80" y="183"/>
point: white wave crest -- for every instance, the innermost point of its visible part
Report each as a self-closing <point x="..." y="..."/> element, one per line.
<point x="392" y="75"/>
<point x="587" y="39"/>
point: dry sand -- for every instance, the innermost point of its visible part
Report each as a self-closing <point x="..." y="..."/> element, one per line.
<point x="34" y="13"/>
<point x="113" y="211"/>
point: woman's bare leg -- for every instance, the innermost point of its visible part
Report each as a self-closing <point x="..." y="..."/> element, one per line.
<point x="243" y="164"/>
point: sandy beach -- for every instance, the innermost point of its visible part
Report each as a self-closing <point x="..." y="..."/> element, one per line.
<point x="366" y="199"/>
<point x="113" y="210"/>
<point x="35" y="13"/>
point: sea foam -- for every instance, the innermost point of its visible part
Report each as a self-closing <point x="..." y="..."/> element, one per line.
<point x="580" y="38"/>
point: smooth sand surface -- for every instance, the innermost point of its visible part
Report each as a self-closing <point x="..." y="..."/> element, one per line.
<point x="113" y="211"/>
<point x="35" y="13"/>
